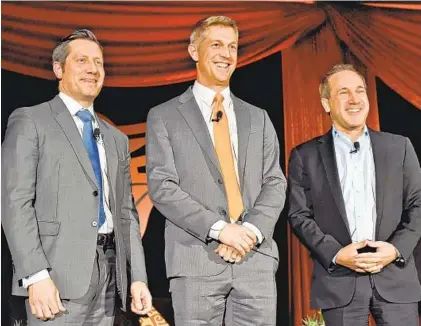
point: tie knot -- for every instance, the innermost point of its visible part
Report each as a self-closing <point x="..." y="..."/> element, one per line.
<point x="218" y="99"/>
<point x="84" y="115"/>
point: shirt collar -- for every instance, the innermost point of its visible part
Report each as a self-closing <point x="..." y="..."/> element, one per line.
<point x="73" y="106"/>
<point x="364" y="138"/>
<point x="207" y="95"/>
<point x="337" y="133"/>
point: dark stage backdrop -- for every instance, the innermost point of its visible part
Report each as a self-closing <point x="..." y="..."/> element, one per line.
<point x="258" y="83"/>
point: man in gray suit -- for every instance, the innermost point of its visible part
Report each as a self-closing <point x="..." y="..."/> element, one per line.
<point x="355" y="202"/>
<point x="213" y="172"/>
<point x="67" y="208"/>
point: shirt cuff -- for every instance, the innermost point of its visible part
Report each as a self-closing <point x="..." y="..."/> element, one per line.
<point x="255" y="230"/>
<point x="216" y="229"/>
<point x="334" y="260"/>
<point x="399" y="261"/>
<point x="39" y="276"/>
<point x="332" y="264"/>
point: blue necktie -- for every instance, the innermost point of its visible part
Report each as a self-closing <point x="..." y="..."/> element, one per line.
<point x="91" y="147"/>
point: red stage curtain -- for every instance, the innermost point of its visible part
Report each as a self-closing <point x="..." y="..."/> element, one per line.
<point x="304" y="118"/>
<point x="145" y="42"/>
<point x="394" y="5"/>
<point x="387" y="41"/>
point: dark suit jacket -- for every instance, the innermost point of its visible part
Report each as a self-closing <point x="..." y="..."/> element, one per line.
<point x="317" y="214"/>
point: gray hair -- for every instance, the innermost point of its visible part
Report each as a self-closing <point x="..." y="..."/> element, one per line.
<point x="61" y="51"/>
<point x="324" y="87"/>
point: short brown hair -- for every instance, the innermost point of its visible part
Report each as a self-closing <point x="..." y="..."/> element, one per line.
<point x="61" y="51"/>
<point x="324" y="87"/>
<point x="202" y="26"/>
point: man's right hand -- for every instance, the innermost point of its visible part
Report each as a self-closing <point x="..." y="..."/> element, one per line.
<point x="346" y="256"/>
<point x="239" y="237"/>
<point x="44" y="300"/>
<point x="229" y="254"/>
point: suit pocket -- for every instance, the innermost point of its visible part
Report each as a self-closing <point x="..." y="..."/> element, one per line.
<point x="46" y="228"/>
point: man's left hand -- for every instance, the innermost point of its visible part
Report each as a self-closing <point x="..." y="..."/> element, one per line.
<point x="141" y="298"/>
<point x="374" y="262"/>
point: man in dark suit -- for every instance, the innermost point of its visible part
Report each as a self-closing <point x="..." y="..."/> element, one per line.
<point x="355" y="202"/>
<point x="67" y="207"/>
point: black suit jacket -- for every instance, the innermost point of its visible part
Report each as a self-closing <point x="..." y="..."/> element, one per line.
<point x="317" y="215"/>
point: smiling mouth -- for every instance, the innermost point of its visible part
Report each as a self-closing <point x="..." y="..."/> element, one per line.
<point x="91" y="81"/>
<point x="222" y="65"/>
<point x="354" y="110"/>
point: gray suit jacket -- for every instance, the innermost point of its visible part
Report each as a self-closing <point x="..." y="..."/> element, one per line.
<point x="48" y="201"/>
<point x="318" y="216"/>
<point x="186" y="186"/>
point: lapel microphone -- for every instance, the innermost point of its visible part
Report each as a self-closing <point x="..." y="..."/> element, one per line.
<point x="97" y="134"/>
<point x="356" y="148"/>
<point x="219" y="115"/>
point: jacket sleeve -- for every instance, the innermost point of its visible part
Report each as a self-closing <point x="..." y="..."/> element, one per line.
<point x="270" y="202"/>
<point x="406" y="237"/>
<point x="130" y="222"/>
<point x="322" y="246"/>
<point x="20" y="158"/>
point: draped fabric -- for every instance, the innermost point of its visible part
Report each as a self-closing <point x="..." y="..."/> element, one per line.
<point x="394" y="5"/>
<point x="387" y="41"/>
<point x="145" y="44"/>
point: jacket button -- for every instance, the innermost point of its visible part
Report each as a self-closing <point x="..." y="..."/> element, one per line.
<point x="220" y="181"/>
<point x="95" y="193"/>
<point x="94" y="223"/>
<point x="223" y="212"/>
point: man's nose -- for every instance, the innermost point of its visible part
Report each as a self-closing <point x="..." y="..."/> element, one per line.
<point x="92" y="67"/>
<point x="225" y="52"/>
<point x="354" y="98"/>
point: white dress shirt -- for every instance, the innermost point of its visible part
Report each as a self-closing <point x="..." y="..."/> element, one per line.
<point x="358" y="184"/>
<point x="357" y="178"/>
<point x="204" y="97"/>
<point x="107" y="227"/>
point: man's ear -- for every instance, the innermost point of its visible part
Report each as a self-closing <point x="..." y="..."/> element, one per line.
<point x="193" y="51"/>
<point x="325" y="104"/>
<point x="58" y="70"/>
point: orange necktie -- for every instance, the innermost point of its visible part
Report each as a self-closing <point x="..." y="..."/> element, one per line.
<point x="223" y="150"/>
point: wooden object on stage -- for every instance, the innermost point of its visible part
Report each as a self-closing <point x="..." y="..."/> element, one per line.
<point x="154" y="318"/>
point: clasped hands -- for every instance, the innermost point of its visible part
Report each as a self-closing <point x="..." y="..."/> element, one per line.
<point x="368" y="262"/>
<point x="236" y="241"/>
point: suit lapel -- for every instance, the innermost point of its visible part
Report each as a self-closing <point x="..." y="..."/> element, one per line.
<point x="194" y="118"/>
<point x="110" y="154"/>
<point x="380" y="163"/>
<point x="327" y="153"/>
<point x="66" y="122"/>
<point x="243" y="131"/>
